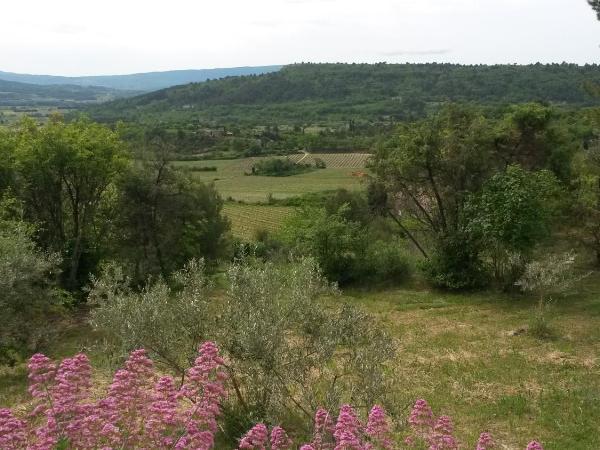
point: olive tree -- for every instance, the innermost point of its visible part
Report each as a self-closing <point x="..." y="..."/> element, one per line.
<point x="288" y="349"/>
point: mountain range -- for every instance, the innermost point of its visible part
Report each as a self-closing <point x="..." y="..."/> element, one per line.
<point x="148" y="81"/>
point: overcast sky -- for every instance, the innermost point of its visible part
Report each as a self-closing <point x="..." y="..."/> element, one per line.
<point x="89" y="37"/>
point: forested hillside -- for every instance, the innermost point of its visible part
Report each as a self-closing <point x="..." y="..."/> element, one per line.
<point x="308" y="92"/>
<point x="13" y="93"/>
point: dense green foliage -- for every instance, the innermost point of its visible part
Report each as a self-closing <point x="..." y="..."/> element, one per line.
<point x="444" y="182"/>
<point x="89" y="201"/>
<point x="278" y="167"/>
<point x="163" y="218"/>
<point x="309" y="93"/>
<point x="346" y="242"/>
<point x="14" y="93"/>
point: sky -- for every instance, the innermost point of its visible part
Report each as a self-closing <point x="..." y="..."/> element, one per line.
<point x="95" y="37"/>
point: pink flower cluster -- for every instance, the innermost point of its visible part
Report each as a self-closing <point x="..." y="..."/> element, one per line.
<point x="437" y="434"/>
<point x="258" y="439"/>
<point x="349" y="433"/>
<point x="140" y="410"/>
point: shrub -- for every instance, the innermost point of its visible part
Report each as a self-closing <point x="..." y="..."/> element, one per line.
<point x="384" y="262"/>
<point x="279" y="167"/>
<point x="288" y="350"/>
<point x="455" y="265"/>
<point x="164" y="320"/>
<point x="334" y="241"/>
<point x="29" y="298"/>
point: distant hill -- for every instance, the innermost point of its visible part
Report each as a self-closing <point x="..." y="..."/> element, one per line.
<point x="13" y="93"/>
<point x="149" y="81"/>
<point x="306" y="93"/>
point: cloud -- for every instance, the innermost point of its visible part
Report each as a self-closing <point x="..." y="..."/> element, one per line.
<point x="68" y="28"/>
<point x="441" y="51"/>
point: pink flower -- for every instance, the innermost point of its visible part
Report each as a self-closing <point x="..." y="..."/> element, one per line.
<point x="13" y="432"/>
<point x="378" y="428"/>
<point x="323" y="430"/>
<point x="347" y="430"/>
<point x="280" y="439"/>
<point x="534" y="445"/>
<point x="256" y="438"/>
<point x="485" y="442"/>
<point x="441" y="437"/>
<point x="421" y="415"/>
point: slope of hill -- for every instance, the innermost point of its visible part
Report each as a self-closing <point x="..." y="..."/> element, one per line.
<point x="140" y="81"/>
<point x="14" y="93"/>
<point x="303" y="93"/>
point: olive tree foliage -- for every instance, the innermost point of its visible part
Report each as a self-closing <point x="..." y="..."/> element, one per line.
<point x="29" y="298"/>
<point x="166" y="319"/>
<point x="552" y="275"/>
<point x="288" y="349"/>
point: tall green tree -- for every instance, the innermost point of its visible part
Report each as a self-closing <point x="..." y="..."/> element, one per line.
<point x="164" y="218"/>
<point x="426" y="171"/>
<point x="65" y="169"/>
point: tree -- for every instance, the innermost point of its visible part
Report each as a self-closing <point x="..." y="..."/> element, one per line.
<point x="429" y="172"/>
<point x="511" y="215"/>
<point x="333" y="240"/>
<point x="65" y="169"/>
<point x="426" y="171"/>
<point x="165" y="218"/>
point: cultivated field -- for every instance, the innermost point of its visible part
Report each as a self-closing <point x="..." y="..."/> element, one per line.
<point x="344" y="170"/>
<point x="247" y="220"/>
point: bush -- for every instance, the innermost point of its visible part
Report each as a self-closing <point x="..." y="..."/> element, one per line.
<point x="288" y="350"/>
<point x="335" y="242"/>
<point x="29" y="297"/>
<point x="279" y="167"/>
<point x="455" y="265"/>
<point x="384" y="262"/>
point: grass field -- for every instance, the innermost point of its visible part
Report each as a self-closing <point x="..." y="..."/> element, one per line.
<point x="343" y="171"/>
<point x="456" y="351"/>
<point x="247" y="220"/>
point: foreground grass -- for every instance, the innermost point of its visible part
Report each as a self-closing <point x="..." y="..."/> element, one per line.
<point x="458" y="351"/>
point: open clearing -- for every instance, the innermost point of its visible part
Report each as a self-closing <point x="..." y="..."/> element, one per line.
<point x="344" y="170"/>
<point x="456" y="351"/>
